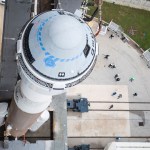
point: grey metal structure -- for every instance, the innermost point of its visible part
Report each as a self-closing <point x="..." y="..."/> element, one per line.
<point x="78" y="105"/>
<point x="80" y="147"/>
<point x="146" y="56"/>
<point x="58" y="138"/>
<point x="60" y="122"/>
<point x="69" y="5"/>
<point x="13" y="24"/>
<point x="20" y="145"/>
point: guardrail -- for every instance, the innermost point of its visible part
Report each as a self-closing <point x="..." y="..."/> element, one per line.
<point x="127" y="36"/>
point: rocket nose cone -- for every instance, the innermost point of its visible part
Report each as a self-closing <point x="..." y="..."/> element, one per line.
<point x="66" y="32"/>
<point x="58" y="48"/>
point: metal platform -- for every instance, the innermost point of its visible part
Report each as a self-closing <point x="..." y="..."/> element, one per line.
<point x="20" y="145"/>
<point x="53" y="132"/>
<point x="17" y="13"/>
<point x="59" y="104"/>
<point x="69" y="5"/>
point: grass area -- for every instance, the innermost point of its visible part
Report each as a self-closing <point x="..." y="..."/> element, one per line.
<point x="127" y="18"/>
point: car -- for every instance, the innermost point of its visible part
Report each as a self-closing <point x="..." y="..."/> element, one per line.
<point x="2" y="2"/>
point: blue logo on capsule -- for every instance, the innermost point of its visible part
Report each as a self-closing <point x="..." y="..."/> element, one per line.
<point x="50" y="61"/>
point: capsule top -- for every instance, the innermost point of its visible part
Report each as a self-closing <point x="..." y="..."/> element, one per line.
<point x="58" y="45"/>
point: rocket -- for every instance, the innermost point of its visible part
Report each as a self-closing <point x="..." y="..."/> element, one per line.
<point x="55" y="50"/>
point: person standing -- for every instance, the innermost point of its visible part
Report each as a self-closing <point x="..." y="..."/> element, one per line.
<point x="116" y="76"/>
<point x="110" y="65"/>
<point x="117" y="79"/>
<point x="131" y="79"/>
<point x="135" y="94"/>
<point x="106" y="56"/>
<point x="111" y="106"/>
<point x="114" y="93"/>
<point x="119" y="96"/>
<point x="111" y="36"/>
<point x="113" y="66"/>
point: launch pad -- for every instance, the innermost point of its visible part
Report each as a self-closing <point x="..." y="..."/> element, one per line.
<point x="94" y="128"/>
<point x="54" y="131"/>
<point x="40" y="77"/>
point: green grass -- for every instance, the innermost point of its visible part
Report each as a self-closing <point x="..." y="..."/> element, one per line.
<point x="128" y="17"/>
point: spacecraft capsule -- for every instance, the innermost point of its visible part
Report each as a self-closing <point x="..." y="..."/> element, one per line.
<point x="58" y="49"/>
<point x="55" y="50"/>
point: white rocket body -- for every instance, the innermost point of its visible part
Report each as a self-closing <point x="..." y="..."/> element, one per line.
<point x="55" y="51"/>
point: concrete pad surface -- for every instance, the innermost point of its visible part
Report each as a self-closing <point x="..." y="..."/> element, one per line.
<point x="98" y="124"/>
<point x="98" y="93"/>
<point x="120" y="106"/>
<point x="100" y="142"/>
<point x="97" y="128"/>
<point x="128" y="64"/>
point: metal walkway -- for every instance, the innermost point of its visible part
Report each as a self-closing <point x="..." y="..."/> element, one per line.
<point x="17" y="13"/>
<point x="70" y="5"/>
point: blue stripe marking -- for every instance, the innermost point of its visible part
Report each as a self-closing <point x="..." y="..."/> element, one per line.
<point x="40" y="28"/>
<point x="67" y="60"/>
<point x="41" y="44"/>
<point x="72" y="59"/>
<point x="43" y="49"/>
<point x="51" y="56"/>
<point x="62" y="60"/>
<point x="56" y="59"/>
<point x="77" y="57"/>
<point x="47" y="53"/>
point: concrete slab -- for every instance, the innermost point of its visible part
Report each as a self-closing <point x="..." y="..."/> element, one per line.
<point x="99" y="93"/>
<point x="102" y="115"/>
<point x="140" y="116"/>
<point x="128" y="64"/>
<point x="99" y="124"/>
<point x="120" y="106"/>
